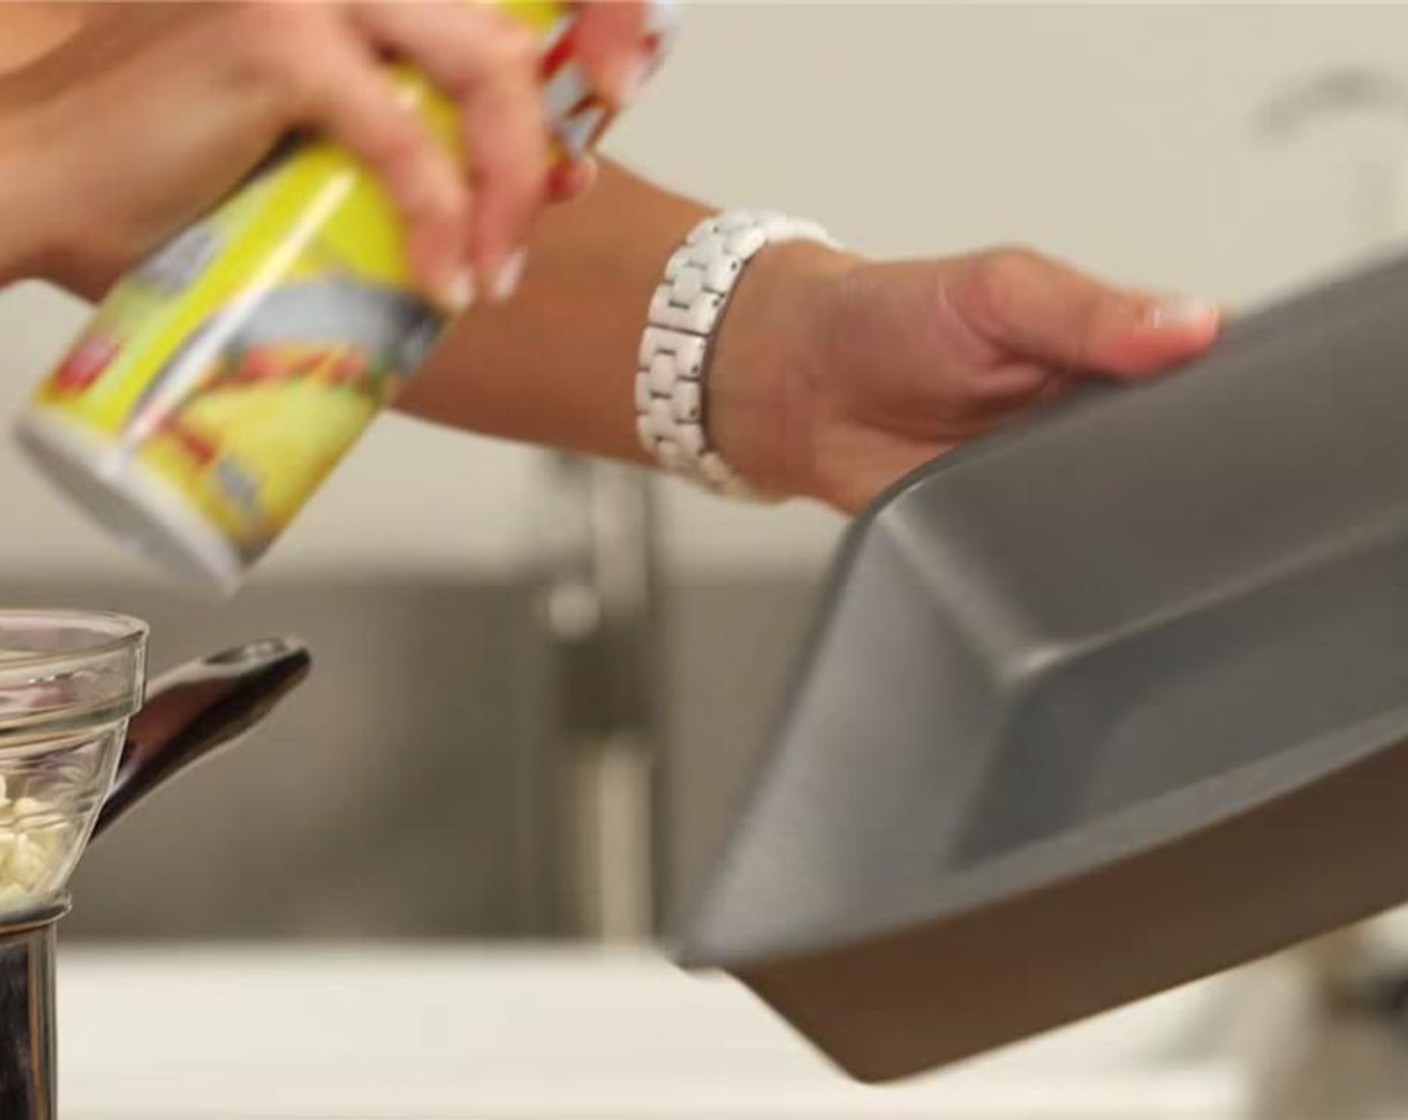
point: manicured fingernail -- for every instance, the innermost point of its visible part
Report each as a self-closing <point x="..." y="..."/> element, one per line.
<point x="458" y="295"/>
<point x="633" y="79"/>
<point x="584" y="176"/>
<point x="1183" y="311"/>
<point x="508" y="277"/>
<point x="572" y="179"/>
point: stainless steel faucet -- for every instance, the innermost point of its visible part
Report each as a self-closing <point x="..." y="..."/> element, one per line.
<point x="598" y="594"/>
<point x="1342" y="94"/>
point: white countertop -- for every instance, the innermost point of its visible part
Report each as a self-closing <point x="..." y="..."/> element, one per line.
<point x="422" y="1033"/>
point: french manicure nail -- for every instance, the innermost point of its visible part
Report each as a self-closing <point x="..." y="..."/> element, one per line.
<point x="1183" y="311"/>
<point x="588" y="175"/>
<point x="634" y="78"/>
<point x="570" y="181"/>
<point x="459" y="294"/>
<point x="508" y="277"/>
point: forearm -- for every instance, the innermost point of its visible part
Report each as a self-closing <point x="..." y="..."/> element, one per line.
<point x="556" y="365"/>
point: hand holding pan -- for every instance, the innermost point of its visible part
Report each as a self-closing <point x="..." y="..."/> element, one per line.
<point x="1098" y="706"/>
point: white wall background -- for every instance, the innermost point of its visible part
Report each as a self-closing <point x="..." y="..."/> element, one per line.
<point x="1116" y="135"/>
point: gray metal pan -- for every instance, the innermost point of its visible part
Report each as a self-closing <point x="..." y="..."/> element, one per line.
<point x="1104" y="704"/>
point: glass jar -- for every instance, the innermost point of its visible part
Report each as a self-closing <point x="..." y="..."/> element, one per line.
<point x="69" y="683"/>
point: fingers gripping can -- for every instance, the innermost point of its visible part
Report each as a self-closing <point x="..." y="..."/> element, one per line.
<point x="222" y="380"/>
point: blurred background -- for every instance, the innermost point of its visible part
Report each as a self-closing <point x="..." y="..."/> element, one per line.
<point x="461" y="767"/>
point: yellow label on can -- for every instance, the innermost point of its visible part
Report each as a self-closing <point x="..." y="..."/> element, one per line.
<point x="242" y="361"/>
<point x="239" y="364"/>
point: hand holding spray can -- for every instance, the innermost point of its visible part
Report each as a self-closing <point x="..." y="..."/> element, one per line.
<point x="221" y="381"/>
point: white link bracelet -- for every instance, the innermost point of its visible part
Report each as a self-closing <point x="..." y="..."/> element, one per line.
<point x="685" y="313"/>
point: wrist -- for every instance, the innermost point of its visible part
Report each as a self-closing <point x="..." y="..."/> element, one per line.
<point x="768" y="353"/>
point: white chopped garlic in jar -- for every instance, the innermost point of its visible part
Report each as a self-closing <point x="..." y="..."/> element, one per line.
<point x="33" y="839"/>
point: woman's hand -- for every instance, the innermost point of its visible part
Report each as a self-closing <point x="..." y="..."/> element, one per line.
<point x="149" y="113"/>
<point x="833" y="377"/>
